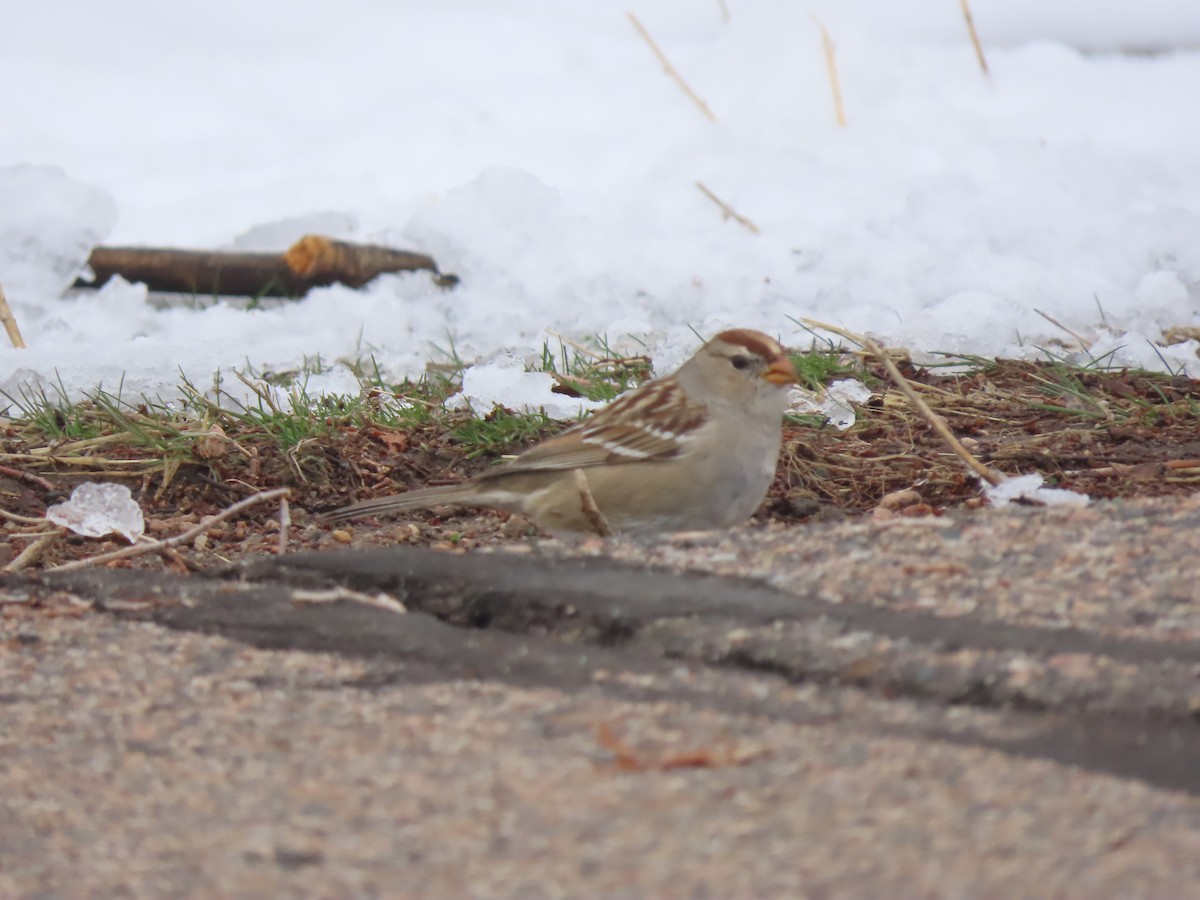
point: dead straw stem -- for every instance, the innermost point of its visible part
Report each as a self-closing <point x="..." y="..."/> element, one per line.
<point x="727" y="211"/>
<point x="970" y="20"/>
<point x="670" y="69"/>
<point x="991" y="476"/>
<point x="835" y="86"/>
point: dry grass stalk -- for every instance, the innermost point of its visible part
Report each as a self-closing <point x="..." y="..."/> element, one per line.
<point x="727" y="211"/>
<point x="10" y="322"/>
<point x="33" y="552"/>
<point x="71" y="448"/>
<point x="575" y="345"/>
<point x="670" y="69"/>
<point x="724" y="10"/>
<point x="190" y="534"/>
<point x="22" y="520"/>
<point x="970" y="20"/>
<point x="991" y="476"/>
<point x="835" y="85"/>
<point x="1083" y="342"/>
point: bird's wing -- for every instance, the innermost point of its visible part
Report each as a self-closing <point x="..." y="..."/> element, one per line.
<point x="655" y="422"/>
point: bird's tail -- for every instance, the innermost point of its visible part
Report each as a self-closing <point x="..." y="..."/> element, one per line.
<point x="394" y="503"/>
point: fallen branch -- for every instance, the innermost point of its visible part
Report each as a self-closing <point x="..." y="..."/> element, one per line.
<point x="190" y="534"/>
<point x="991" y="476"/>
<point x="313" y="261"/>
<point x="727" y="211"/>
<point x="670" y="69"/>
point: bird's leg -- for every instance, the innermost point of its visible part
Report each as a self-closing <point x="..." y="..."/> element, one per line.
<point x="588" y="504"/>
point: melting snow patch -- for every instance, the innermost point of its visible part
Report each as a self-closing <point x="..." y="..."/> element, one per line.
<point x="1030" y="487"/>
<point x="336" y="382"/>
<point x="95" y="510"/>
<point x="504" y="382"/>
<point x="836" y="405"/>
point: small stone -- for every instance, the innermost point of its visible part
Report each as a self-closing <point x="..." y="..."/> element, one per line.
<point x="899" y="499"/>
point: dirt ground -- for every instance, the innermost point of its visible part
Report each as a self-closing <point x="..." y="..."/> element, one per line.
<point x="1107" y="434"/>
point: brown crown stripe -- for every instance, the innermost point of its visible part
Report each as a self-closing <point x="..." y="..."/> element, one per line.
<point x="754" y="341"/>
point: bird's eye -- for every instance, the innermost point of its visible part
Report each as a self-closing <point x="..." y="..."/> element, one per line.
<point x="739" y="361"/>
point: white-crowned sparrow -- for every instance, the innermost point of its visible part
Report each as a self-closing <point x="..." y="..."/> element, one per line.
<point x="693" y="451"/>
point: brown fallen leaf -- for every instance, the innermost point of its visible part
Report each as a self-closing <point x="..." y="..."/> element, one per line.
<point x="626" y="759"/>
<point x="398" y="441"/>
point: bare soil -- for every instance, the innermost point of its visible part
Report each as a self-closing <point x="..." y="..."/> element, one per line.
<point x="1104" y="433"/>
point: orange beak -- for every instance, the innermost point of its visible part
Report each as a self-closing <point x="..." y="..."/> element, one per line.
<point x="780" y="371"/>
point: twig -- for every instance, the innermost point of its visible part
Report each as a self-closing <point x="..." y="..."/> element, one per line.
<point x="727" y="211"/>
<point x="724" y="10"/>
<point x="991" y="476"/>
<point x="970" y="20"/>
<point x="22" y="520"/>
<point x="159" y="546"/>
<point x="31" y="553"/>
<point x="285" y="522"/>
<point x="37" y="480"/>
<point x="1085" y="344"/>
<point x="835" y="85"/>
<point x="588" y="504"/>
<point x="10" y="322"/>
<point x="670" y="69"/>
<point x="168" y="553"/>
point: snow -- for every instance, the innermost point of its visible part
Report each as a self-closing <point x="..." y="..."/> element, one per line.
<point x="48" y="226"/>
<point x="504" y="382"/>
<point x="537" y="149"/>
<point x="96" y="510"/>
<point x="836" y="404"/>
<point x="1030" y="487"/>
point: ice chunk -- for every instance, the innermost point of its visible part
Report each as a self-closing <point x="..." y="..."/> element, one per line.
<point x="836" y="404"/>
<point x="95" y="510"/>
<point x="49" y="224"/>
<point x="1030" y="487"/>
<point x="504" y="382"/>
